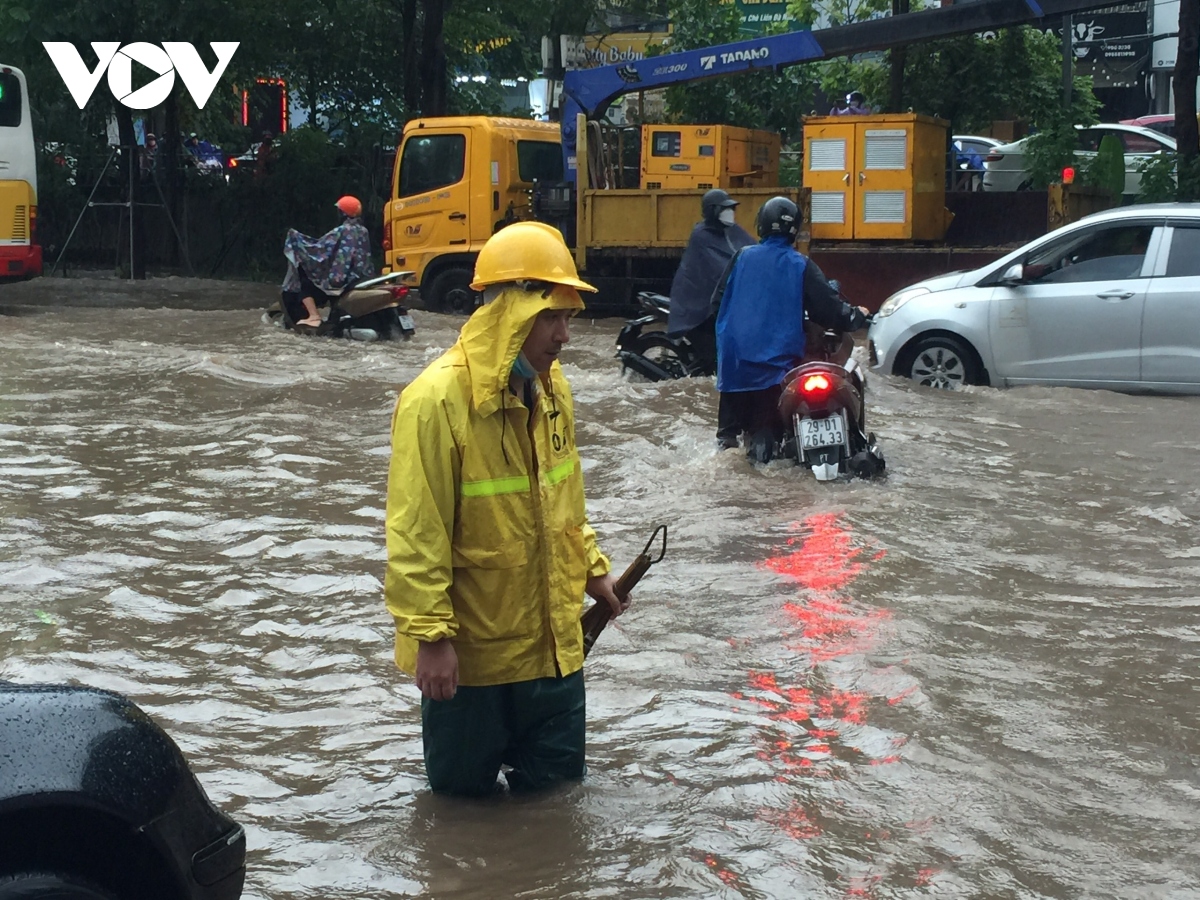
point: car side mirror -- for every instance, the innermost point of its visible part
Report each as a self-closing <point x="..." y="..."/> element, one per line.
<point x="1014" y="274"/>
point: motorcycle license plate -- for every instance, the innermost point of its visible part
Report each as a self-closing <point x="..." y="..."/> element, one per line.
<point x="406" y="323"/>
<point x="827" y="432"/>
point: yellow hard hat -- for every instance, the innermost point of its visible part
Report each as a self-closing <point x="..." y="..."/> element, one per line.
<point x="527" y="251"/>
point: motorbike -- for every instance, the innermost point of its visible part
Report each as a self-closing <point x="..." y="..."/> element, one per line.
<point x="655" y="355"/>
<point x="824" y="411"/>
<point x="371" y="310"/>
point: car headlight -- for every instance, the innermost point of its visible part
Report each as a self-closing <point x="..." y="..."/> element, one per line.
<point x="898" y="299"/>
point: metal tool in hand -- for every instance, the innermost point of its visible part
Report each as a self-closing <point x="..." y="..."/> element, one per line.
<point x="597" y="616"/>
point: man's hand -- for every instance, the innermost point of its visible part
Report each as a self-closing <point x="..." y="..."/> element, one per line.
<point x="437" y="669"/>
<point x="603" y="587"/>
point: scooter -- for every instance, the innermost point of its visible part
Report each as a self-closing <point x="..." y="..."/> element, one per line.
<point x="655" y="355"/>
<point x="824" y="411"/>
<point x="371" y="310"/>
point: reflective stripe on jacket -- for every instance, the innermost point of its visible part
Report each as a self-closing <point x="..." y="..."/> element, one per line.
<point x="488" y="541"/>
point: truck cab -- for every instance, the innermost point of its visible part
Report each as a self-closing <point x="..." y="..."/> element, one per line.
<point x="457" y="181"/>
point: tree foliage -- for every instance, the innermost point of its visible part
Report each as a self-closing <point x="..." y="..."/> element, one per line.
<point x="1054" y="145"/>
<point x="759" y="99"/>
<point x="973" y="80"/>
<point x="837" y="77"/>
<point x="1106" y="169"/>
<point x="970" y="80"/>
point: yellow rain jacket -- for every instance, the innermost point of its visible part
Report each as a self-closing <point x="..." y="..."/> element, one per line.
<point x="488" y="542"/>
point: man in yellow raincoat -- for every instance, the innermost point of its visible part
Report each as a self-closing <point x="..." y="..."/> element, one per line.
<point x="489" y="548"/>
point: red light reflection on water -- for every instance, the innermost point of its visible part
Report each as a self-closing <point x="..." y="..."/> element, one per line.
<point x="723" y="873"/>
<point x="823" y="563"/>
<point x="807" y="717"/>
<point x="794" y="821"/>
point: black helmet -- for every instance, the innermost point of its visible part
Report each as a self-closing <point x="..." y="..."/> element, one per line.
<point x="855" y="97"/>
<point x="779" y="215"/>
<point x="713" y="202"/>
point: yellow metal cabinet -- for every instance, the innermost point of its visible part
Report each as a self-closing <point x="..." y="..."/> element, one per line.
<point x="708" y="156"/>
<point x="829" y="146"/>
<point x="877" y="177"/>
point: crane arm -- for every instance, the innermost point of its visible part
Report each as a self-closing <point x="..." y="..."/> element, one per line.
<point x="591" y="91"/>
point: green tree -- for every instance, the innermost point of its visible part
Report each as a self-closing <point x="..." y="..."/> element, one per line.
<point x="973" y="80"/>
<point x="27" y="23"/>
<point x="1053" y="147"/>
<point x="759" y="99"/>
<point x="1106" y="169"/>
<point x="837" y="77"/>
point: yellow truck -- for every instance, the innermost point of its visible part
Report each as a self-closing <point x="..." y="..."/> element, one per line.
<point x="458" y="180"/>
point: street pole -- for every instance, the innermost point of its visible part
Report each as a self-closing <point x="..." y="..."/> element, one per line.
<point x="1068" y="28"/>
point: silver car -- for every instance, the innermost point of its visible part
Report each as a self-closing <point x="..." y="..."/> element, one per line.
<point x="1111" y="301"/>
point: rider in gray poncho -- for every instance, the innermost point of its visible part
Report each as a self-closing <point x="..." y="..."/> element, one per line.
<point x="712" y="244"/>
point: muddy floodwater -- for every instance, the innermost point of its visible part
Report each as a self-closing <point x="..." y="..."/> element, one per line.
<point x="976" y="678"/>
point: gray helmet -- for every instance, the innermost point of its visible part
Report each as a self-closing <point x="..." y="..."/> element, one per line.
<point x="779" y="215"/>
<point x="713" y="202"/>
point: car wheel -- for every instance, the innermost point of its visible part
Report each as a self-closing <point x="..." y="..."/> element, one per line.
<point x="942" y="362"/>
<point x="451" y="292"/>
<point x="50" y="886"/>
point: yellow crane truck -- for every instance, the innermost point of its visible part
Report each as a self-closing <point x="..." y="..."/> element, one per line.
<point x="626" y="199"/>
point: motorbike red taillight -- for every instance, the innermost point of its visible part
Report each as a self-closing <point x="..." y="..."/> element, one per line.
<point x="816" y="387"/>
<point x="399" y="291"/>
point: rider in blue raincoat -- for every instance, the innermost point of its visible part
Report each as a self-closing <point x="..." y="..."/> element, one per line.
<point x="767" y="290"/>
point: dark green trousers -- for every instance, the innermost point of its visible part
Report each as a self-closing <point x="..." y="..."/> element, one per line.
<point x="536" y="727"/>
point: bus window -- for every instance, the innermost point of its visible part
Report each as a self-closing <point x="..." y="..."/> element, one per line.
<point x="10" y="100"/>
<point x="432" y="161"/>
<point x="539" y="161"/>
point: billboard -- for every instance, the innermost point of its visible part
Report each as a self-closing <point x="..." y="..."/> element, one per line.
<point x="594" y="50"/>
<point x="1111" y="44"/>
<point x="756" y="16"/>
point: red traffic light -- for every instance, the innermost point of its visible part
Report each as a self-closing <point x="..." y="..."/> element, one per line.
<point x="1068" y="175"/>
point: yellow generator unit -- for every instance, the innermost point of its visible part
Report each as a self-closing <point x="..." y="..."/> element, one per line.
<point x="708" y="156"/>
<point x="877" y="176"/>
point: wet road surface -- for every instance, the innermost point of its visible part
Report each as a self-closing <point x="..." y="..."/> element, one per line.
<point x="976" y="678"/>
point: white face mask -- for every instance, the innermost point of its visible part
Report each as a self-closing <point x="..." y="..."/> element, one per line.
<point x="726" y="217"/>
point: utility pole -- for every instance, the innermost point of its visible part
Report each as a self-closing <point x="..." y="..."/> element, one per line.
<point x="1068" y="60"/>
<point x="897" y="57"/>
<point x="1187" y="69"/>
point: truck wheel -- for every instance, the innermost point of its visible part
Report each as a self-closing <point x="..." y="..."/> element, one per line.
<point x="451" y="292"/>
<point x="942" y="362"/>
<point x="50" y="886"/>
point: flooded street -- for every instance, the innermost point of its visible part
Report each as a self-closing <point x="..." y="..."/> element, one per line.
<point x="976" y="678"/>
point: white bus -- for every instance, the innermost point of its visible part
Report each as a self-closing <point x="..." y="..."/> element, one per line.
<point x="20" y="255"/>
